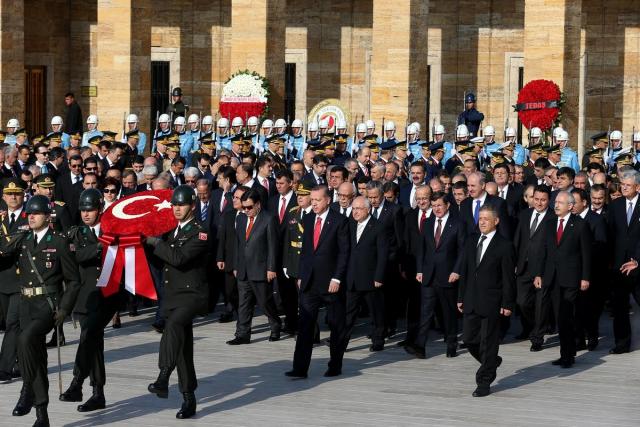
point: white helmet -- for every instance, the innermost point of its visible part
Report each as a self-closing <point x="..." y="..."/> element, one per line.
<point x="237" y="121"/>
<point x="14" y="123"/>
<point x="324" y="123"/>
<point x="132" y="118"/>
<point x="252" y="121"/>
<point x="616" y="134"/>
<point x="411" y="129"/>
<point x="361" y="128"/>
<point x="535" y="132"/>
<point x="563" y="135"/>
<point x="416" y="125"/>
<point x="280" y="123"/>
<point x="179" y="121"/>
<point x="489" y="131"/>
<point x="56" y="120"/>
<point x="223" y="122"/>
<point x="341" y="124"/>
<point x="557" y="131"/>
<point x="92" y="120"/>
<point x="297" y="123"/>
<point x="164" y="118"/>
<point x="439" y="130"/>
<point x="267" y="124"/>
<point x="207" y="120"/>
<point x="370" y="124"/>
<point x="636" y="137"/>
<point x="462" y="131"/>
<point x="390" y="125"/>
<point x="313" y="127"/>
<point x="509" y="132"/>
<point x="193" y="118"/>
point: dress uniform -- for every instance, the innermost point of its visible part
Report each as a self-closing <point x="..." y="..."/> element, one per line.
<point x="44" y="261"/>
<point x="471" y="117"/>
<point x="177" y="108"/>
<point x="185" y="296"/>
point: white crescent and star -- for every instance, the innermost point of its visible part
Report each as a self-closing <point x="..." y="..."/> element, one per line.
<point x="118" y="209"/>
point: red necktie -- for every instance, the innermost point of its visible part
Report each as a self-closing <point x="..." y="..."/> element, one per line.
<point x="560" y="231"/>
<point x="248" y="232"/>
<point x="265" y="184"/>
<point x="438" y="232"/>
<point x="283" y="206"/>
<point x="423" y="219"/>
<point x="316" y="232"/>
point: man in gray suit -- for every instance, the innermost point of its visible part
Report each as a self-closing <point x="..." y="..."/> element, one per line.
<point x="255" y="262"/>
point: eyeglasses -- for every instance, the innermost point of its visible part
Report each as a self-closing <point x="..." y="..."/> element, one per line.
<point x="110" y="191"/>
<point x="44" y="153"/>
<point x="344" y="195"/>
<point x="190" y="181"/>
<point x="75" y="166"/>
<point x="91" y="169"/>
<point x="247" y="208"/>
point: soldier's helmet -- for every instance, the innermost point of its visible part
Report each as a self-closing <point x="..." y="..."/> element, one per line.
<point x="176" y="91"/>
<point x="38" y="204"/>
<point x="470" y="97"/>
<point x="91" y="199"/>
<point x="183" y="195"/>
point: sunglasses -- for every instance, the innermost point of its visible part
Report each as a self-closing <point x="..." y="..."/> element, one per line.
<point x="247" y="208"/>
<point x="110" y="191"/>
<point x="44" y="153"/>
<point x="75" y="166"/>
<point x="91" y="169"/>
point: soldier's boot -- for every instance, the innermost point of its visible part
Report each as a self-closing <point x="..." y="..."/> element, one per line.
<point x="25" y="402"/>
<point x="42" y="417"/>
<point x="60" y="338"/>
<point x="74" y="392"/>
<point x="188" y="408"/>
<point x="161" y="386"/>
<point x="95" y="402"/>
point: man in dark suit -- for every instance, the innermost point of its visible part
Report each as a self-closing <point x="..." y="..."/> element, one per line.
<point x="264" y="170"/>
<point x="565" y="268"/>
<point x="69" y="186"/>
<point x="438" y="266"/>
<point x="511" y="193"/>
<point x="204" y="212"/>
<point x="365" y="273"/>
<point x="244" y="176"/>
<point x="624" y="235"/>
<point x="176" y="176"/>
<point x="255" y="267"/>
<point x="478" y="197"/>
<point x="319" y="170"/>
<point x="221" y="197"/>
<point x="323" y="268"/>
<point x="534" y="302"/>
<point x="407" y="197"/>
<point x="486" y="292"/>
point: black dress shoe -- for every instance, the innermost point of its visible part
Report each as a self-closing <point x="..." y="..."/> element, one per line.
<point x="331" y="372"/>
<point x="295" y="374"/>
<point x="74" y="392"/>
<point x="463" y="345"/>
<point x="95" y="402"/>
<point x="226" y="318"/>
<point x="188" y="408"/>
<point x="451" y="352"/>
<point x="415" y="351"/>
<point x="592" y="344"/>
<point x="535" y="347"/>
<point x="619" y="350"/>
<point x="376" y="347"/>
<point x="239" y="341"/>
<point x="116" y="323"/>
<point x="581" y="345"/>
<point x="42" y="417"/>
<point x="564" y="363"/>
<point x="5" y="377"/>
<point x="499" y="362"/>
<point x="161" y="386"/>
<point x="275" y="336"/>
<point x="15" y="373"/>
<point x="481" y="392"/>
<point x="25" y="402"/>
<point x="403" y="343"/>
<point x="290" y="331"/>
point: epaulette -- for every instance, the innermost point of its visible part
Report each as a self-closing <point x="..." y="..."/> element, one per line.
<point x="295" y="209"/>
<point x="59" y="203"/>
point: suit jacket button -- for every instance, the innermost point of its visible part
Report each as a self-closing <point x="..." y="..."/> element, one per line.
<point x="166" y="281"/>
<point x="30" y="283"/>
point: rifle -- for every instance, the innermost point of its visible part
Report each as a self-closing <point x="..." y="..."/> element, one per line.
<point x="406" y="130"/>
<point x="246" y="124"/>
<point x="383" y="131"/>
<point x="504" y="133"/>
<point x="288" y="129"/>
<point x="215" y="128"/>
<point x="354" y="143"/>
<point x="124" y="124"/>
<point x="155" y="132"/>
<point x="464" y="99"/>
<point x="433" y="130"/>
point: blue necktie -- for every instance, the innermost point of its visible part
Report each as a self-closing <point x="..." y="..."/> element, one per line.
<point x="476" y="212"/>
<point x="629" y="213"/>
<point x="203" y="212"/>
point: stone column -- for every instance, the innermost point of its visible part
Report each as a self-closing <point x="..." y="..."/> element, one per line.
<point x="399" y="62"/>
<point x="257" y="43"/>
<point x="12" y="96"/>
<point x="552" y="51"/>
<point x="123" y="72"/>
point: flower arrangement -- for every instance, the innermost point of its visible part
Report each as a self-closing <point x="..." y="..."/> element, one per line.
<point x="540" y="104"/>
<point x="245" y="94"/>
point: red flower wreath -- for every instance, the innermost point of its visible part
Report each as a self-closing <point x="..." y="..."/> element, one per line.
<point x="241" y="109"/>
<point x="539" y="103"/>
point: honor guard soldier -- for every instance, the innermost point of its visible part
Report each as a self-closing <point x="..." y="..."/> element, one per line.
<point x="414" y="143"/>
<point x="177" y="107"/>
<point x="519" y="152"/>
<point x="615" y="145"/>
<point x="341" y="155"/>
<point x="599" y="142"/>
<point x="185" y="297"/>
<point x="133" y="124"/>
<point x="296" y="139"/>
<point x="222" y="137"/>
<point x="14" y="220"/>
<point x="185" y="139"/>
<point x="267" y="131"/>
<point x="92" y="130"/>
<point x="371" y="129"/>
<point x="357" y="141"/>
<point x="89" y="308"/>
<point x="164" y="129"/>
<point x="12" y="127"/>
<point x="44" y="261"/>
<point x="193" y="129"/>
<point x="252" y="132"/>
<point x="130" y="151"/>
<point x="236" y="126"/>
<point x="568" y="156"/>
<point x="56" y="127"/>
<point x="207" y="125"/>
<point x="471" y="117"/>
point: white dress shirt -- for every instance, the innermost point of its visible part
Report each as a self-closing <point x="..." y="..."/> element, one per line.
<point x="486" y="242"/>
<point x="482" y="199"/>
<point x="360" y="227"/>
<point x="444" y="222"/>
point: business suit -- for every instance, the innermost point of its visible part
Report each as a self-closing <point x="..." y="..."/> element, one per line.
<point x="256" y="254"/>
<point x="175" y="180"/>
<point x="69" y="192"/>
<point x="534" y="303"/>
<point x="562" y="266"/>
<point x="366" y="266"/>
<point x="514" y="202"/>
<point x="205" y="213"/>
<point x="226" y="253"/>
<point x="271" y="184"/>
<point x="264" y="196"/>
<point x="436" y="262"/>
<point x="466" y="215"/>
<point x="318" y="266"/>
<point x="216" y="202"/>
<point x="484" y="289"/>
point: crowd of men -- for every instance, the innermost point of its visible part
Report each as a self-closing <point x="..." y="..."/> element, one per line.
<point x="427" y="230"/>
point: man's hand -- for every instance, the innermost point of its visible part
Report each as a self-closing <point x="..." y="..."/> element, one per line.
<point x="629" y="266"/>
<point x="537" y="282"/>
<point x="235" y="273"/>
<point x="334" y="287"/>
<point x="584" y="285"/>
<point x="453" y="277"/>
<point x="59" y="317"/>
<point x="271" y="275"/>
<point x="419" y="277"/>
<point x="460" y="307"/>
<point x="505" y="312"/>
<point x="220" y="265"/>
<point x="152" y="241"/>
<point x="377" y="284"/>
<point x="298" y="283"/>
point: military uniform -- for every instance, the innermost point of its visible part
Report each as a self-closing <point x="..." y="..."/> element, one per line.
<point x="292" y="241"/>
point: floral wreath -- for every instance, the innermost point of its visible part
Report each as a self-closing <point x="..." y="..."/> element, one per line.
<point x="245" y="94"/>
<point x="540" y="104"/>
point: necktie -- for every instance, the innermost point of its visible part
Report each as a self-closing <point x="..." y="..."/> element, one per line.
<point x="265" y="184"/>
<point x="248" y="232"/>
<point x="376" y="212"/>
<point x="479" y="249"/>
<point x="224" y="202"/>
<point x="177" y="231"/>
<point x="283" y="206"/>
<point x="93" y="229"/>
<point x="12" y="219"/>
<point x="365" y="170"/>
<point x="534" y="225"/>
<point x="204" y="211"/>
<point x="502" y="194"/>
<point x="560" y="231"/>
<point x="476" y="212"/>
<point x="344" y="211"/>
<point x="316" y="232"/>
<point x="77" y="178"/>
<point x="43" y="169"/>
<point x="438" y="232"/>
<point x="629" y="212"/>
<point x="423" y="219"/>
